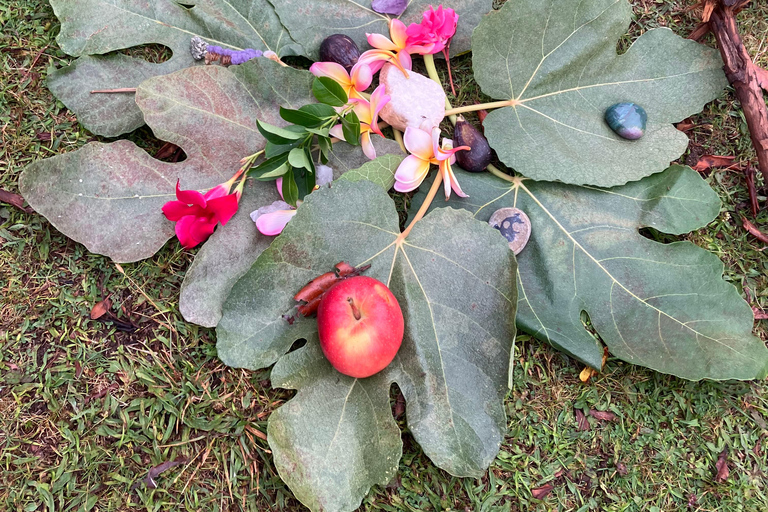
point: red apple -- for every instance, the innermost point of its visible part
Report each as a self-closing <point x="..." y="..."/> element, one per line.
<point x="360" y="326"/>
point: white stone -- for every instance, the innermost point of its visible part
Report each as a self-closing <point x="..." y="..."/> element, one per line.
<point x="415" y="101"/>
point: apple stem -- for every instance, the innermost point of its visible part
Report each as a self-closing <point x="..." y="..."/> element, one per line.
<point x="355" y="310"/>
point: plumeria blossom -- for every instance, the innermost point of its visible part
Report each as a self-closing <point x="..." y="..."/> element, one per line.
<point x="424" y="150"/>
<point x="434" y="32"/>
<point x="395" y="50"/>
<point x="353" y="83"/>
<point x="271" y="219"/>
<point x="368" y="114"/>
<point x="196" y="215"/>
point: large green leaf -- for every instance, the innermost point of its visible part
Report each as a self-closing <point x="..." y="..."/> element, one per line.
<point x="664" y="306"/>
<point x="311" y="21"/>
<point x="556" y="62"/>
<point x="92" y="28"/>
<point x="454" y="278"/>
<point x="108" y="196"/>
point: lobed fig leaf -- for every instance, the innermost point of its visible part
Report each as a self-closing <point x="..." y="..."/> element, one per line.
<point x="555" y="63"/>
<point x="664" y="306"/>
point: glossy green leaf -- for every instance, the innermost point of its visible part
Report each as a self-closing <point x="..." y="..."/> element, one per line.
<point x="290" y="190"/>
<point x="277" y="135"/>
<point x="350" y="125"/>
<point x="320" y="110"/>
<point x="300" y="117"/>
<point x="92" y="28"/>
<point x="555" y="61"/>
<point x="272" y="168"/>
<point x="664" y="306"/>
<point x="298" y="158"/>
<point x="329" y="92"/>
<point x="453" y="281"/>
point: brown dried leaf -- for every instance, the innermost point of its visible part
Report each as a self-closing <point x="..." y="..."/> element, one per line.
<point x="155" y="472"/>
<point x="602" y="415"/>
<point x="754" y="231"/>
<point x="100" y="308"/>
<point x="722" y="467"/>
<point x="586" y="374"/>
<point x="759" y="314"/>
<point x="540" y="492"/>
<point x="707" y="162"/>
<point x="709" y="6"/>
<point x="581" y="419"/>
<point x="685" y="125"/>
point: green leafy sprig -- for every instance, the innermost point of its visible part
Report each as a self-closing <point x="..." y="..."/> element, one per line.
<point x="289" y="150"/>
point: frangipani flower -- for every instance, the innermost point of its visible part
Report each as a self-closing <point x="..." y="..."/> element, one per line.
<point x="353" y="83"/>
<point x="368" y="114"/>
<point x="395" y="50"/>
<point x="435" y="30"/>
<point x="424" y="150"/>
<point x="196" y="215"/>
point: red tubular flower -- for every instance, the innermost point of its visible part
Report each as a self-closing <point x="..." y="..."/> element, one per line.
<point x="196" y="215"/>
<point x="435" y="30"/>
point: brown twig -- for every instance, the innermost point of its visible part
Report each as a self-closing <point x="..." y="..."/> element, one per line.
<point x="14" y="200"/>
<point x="742" y="74"/>
<point x="34" y="61"/>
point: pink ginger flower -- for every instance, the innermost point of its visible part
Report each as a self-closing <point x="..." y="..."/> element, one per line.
<point x="424" y="150"/>
<point x="368" y="114"/>
<point x="353" y="83"/>
<point x="434" y="32"/>
<point x="196" y="215"/>
<point x="396" y="50"/>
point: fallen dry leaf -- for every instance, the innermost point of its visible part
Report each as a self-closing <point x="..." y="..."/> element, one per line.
<point x="581" y="420"/>
<point x="685" y="126"/>
<point x="540" y="492"/>
<point x="602" y="415"/>
<point x="722" y="467"/>
<point x="155" y="472"/>
<point x="586" y="374"/>
<point x="709" y="6"/>
<point x="707" y="162"/>
<point x="754" y="231"/>
<point x="100" y="308"/>
<point x="760" y="314"/>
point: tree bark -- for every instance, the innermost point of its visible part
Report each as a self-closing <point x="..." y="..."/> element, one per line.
<point x="744" y="76"/>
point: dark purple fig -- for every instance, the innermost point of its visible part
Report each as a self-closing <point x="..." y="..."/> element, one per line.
<point x="340" y="49"/>
<point x="477" y="158"/>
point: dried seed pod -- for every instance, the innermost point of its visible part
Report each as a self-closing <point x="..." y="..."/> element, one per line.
<point x="340" y="49"/>
<point x="477" y="158"/>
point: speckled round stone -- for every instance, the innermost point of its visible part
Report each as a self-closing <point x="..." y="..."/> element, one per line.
<point x="515" y="225"/>
<point x="627" y="120"/>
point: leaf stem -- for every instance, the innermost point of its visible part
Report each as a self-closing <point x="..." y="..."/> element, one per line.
<point x="429" y="62"/>
<point x="499" y="173"/>
<point x="480" y="106"/>
<point x="424" y="207"/>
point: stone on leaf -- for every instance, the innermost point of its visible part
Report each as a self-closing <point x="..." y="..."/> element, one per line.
<point x="627" y="120"/>
<point x="415" y="101"/>
<point x="514" y="224"/>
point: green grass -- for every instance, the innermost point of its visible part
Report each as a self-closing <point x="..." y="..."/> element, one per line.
<point x="87" y="409"/>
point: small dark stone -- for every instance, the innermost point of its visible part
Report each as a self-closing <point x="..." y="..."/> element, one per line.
<point x="340" y="49"/>
<point x="627" y="120"/>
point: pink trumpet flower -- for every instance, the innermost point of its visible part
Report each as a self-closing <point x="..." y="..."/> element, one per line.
<point x="353" y="83"/>
<point x="368" y="114"/>
<point x="424" y="150"/>
<point x="395" y="50"/>
<point x="196" y="215"/>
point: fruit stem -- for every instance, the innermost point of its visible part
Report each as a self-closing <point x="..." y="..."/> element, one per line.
<point x="424" y="207"/>
<point x="480" y="106"/>
<point x="355" y="309"/>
